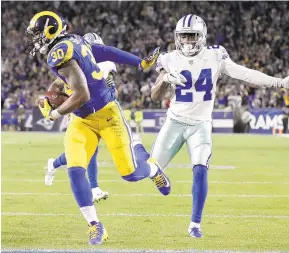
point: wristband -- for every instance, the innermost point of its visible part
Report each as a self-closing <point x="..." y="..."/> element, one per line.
<point x="55" y="114"/>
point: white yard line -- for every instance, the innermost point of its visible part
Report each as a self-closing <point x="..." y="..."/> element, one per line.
<point x="120" y="180"/>
<point x="150" y="195"/>
<point x="234" y="182"/>
<point x="37" y="180"/>
<point x="148" y="215"/>
<point x="128" y="251"/>
<point x="106" y="164"/>
<point x="210" y="195"/>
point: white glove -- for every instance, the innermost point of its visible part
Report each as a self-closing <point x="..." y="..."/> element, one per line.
<point x="174" y="78"/>
<point x="285" y="82"/>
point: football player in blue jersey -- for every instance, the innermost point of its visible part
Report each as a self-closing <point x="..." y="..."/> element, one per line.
<point x="109" y="69"/>
<point x="96" y="114"/>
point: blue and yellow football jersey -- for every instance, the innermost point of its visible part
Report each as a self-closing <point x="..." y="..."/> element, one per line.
<point x="74" y="47"/>
<point x="100" y="118"/>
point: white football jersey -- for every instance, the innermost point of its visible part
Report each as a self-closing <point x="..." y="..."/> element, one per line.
<point x="106" y="68"/>
<point x="195" y="101"/>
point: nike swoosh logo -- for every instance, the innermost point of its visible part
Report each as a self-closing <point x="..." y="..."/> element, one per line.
<point x="109" y="119"/>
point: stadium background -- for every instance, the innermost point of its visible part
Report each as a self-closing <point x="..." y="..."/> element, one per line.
<point x="254" y="33"/>
<point x="247" y="205"/>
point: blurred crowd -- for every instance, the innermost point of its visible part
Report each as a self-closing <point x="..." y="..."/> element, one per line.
<point x="255" y="35"/>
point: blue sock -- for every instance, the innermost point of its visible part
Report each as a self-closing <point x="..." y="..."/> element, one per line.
<point x="142" y="169"/>
<point x="140" y="153"/>
<point x="61" y="160"/>
<point x="199" y="191"/>
<point x="80" y="186"/>
<point x="92" y="171"/>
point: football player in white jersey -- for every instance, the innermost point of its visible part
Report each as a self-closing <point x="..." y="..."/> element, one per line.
<point x="108" y="69"/>
<point x="190" y="73"/>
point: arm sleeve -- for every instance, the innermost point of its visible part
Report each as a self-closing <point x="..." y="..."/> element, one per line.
<point x="106" y="53"/>
<point x="162" y="63"/>
<point x="236" y="71"/>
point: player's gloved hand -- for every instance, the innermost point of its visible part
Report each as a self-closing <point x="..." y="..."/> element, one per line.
<point x="47" y="110"/>
<point x="285" y="82"/>
<point x="149" y="61"/>
<point x="174" y="78"/>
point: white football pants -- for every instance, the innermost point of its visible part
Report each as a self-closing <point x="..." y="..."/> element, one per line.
<point x="174" y="134"/>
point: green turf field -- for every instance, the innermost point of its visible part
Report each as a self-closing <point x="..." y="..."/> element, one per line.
<point x="247" y="207"/>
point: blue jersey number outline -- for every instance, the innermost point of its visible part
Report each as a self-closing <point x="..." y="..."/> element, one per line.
<point x="213" y="47"/>
<point x="203" y="83"/>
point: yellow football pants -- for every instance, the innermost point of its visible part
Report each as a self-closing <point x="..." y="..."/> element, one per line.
<point x="82" y="137"/>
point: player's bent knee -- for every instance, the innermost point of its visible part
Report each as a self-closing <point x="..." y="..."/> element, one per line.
<point x="202" y="155"/>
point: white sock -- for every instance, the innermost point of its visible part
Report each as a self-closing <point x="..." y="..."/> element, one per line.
<point x="195" y="225"/>
<point x="154" y="169"/>
<point x="89" y="213"/>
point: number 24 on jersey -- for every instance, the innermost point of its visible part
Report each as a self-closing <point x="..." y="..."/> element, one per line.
<point x="204" y="83"/>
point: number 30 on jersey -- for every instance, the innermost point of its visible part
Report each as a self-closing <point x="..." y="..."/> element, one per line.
<point x="203" y="83"/>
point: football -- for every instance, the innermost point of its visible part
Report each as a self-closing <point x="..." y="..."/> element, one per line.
<point x="55" y="99"/>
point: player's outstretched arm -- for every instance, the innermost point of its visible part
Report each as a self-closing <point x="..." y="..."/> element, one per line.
<point x="107" y="53"/>
<point x="253" y="76"/>
<point x="78" y="84"/>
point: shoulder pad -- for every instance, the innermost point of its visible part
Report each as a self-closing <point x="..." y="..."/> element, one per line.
<point x="220" y="50"/>
<point x="76" y="39"/>
<point x="160" y="62"/>
<point x="224" y="53"/>
<point x="60" y="53"/>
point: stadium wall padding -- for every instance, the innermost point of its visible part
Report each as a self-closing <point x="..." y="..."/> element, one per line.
<point x="262" y="121"/>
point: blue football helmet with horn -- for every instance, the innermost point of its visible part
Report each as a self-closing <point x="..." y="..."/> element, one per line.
<point x="44" y="28"/>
